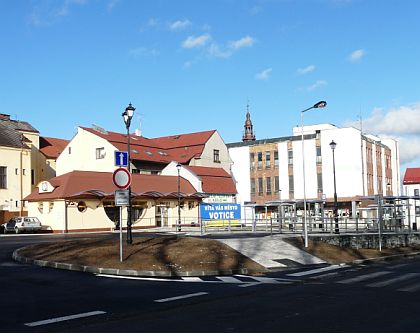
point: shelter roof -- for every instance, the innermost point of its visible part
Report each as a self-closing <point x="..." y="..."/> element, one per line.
<point x="88" y="184"/>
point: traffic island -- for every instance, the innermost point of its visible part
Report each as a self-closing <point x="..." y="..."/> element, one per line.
<point x="148" y="256"/>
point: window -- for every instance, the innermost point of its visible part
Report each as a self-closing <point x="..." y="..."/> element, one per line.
<point x="291" y="184"/>
<point x="290" y="157"/>
<point x="69" y="150"/>
<point x="81" y="206"/>
<point x="318" y="155"/>
<point x="276" y="159"/>
<point x="267" y="160"/>
<point x="100" y="153"/>
<point x="260" y="186"/>
<point x="268" y="185"/>
<point x="252" y="185"/>
<point x="259" y="160"/>
<point x="276" y="184"/>
<point x="23" y="172"/>
<point x="3" y="177"/>
<point x="216" y="156"/>
<point x="319" y="181"/>
<point x="16" y="171"/>
<point x="252" y="160"/>
<point x="32" y="177"/>
<point x="416" y="192"/>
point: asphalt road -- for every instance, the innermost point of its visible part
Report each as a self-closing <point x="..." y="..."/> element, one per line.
<point x="380" y="297"/>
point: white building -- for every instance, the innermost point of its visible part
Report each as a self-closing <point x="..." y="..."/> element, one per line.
<point x="272" y="169"/>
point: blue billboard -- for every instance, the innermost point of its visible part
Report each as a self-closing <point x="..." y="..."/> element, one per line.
<point x="220" y="211"/>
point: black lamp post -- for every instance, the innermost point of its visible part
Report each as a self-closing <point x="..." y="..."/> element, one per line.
<point x="127" y="115"/>
<point x="337" y="230"/>
<point x="178" y="166"/>
<point x="319" y="105"/>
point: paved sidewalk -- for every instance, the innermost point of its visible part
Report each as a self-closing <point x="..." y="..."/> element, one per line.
<point x="266" y="250"/>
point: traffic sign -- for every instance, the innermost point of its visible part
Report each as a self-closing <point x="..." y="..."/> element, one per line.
<point x="121" y="178"/>
<point x="121" y="158"/>
<point x="122" y="197"/>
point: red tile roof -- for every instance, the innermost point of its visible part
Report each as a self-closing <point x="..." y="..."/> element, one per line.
<point x="214" y="180"/>
<point x="52" y="147"/>
<point x="181" y="148"/>
<point x="412" y="176"/>
<point x="89" y="184"/>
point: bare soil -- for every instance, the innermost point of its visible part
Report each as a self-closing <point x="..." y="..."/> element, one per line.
<point x="335" y="254"/>
<point x="165" y="253"/>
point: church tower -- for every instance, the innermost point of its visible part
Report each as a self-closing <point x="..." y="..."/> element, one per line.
<point x="249" y="131"/>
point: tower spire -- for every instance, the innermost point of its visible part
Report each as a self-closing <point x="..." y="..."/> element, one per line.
<point x="249" y="130"/>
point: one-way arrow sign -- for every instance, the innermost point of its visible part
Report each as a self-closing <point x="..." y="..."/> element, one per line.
<point x="121" y="158"/>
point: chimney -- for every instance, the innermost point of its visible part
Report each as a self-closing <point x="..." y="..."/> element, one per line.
<point x="137" y="132"/>
<point x="4" y="116"/>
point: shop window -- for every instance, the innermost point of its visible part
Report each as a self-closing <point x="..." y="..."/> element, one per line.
<point x="41" y="207"/>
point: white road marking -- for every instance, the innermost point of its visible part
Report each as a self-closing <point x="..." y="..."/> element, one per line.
<point x="411" y="288"/>
<point x="365" y="277"/>
<point x="318" y="270"/>
<point x="191" y="279"/>
<point x="250" y="284"/>
<point x="60" y="319"/>
<point x="170" y="299"/>
<point x="229" y="279"/>
<point x="390" y="281"/>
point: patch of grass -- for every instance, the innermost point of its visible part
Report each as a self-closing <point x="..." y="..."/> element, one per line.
<point x="166" y="253"/>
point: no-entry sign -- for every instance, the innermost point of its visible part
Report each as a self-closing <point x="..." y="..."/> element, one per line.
<point x="121" y="178"/>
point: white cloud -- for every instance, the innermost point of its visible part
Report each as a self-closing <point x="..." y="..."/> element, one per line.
<point x="47" y="13"/>
<point x="143" y="51"/>
<point x="318" y="84"/>
<point x="357" y="55"/>
<point x="264" y="75"/>
<point x="240" y="43"/>
<point x="216" y="51"/>
<point x="179" y="25"/>
<point x="111" y="4"/>
<point x="306" y="70"/>
<point x="192" y="41"/>
<point x="401" y="123"/>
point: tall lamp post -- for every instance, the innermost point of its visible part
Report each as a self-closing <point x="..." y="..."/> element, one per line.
<point x="178" y="166"/>
<point x="127" y="115"/>
<point x="319" y="105"/>
<point x="337" y="230"/>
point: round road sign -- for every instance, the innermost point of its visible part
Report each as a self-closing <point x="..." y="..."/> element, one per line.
<point x="121" y="178"/>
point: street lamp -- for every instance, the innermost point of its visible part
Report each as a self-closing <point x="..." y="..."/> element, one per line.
<point x="337" y="230"/>
<point x="178" y="166"/>
<point x="319" y="105"/>
<point x="127" y="115"/>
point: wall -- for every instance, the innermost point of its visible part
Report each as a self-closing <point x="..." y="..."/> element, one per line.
<point x="83" y="154"/>
<point x="18" y="185"/>
<point x="241" y="175"/>
<point x="206" y="159"/>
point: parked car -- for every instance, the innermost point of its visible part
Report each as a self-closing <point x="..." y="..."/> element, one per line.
<point x="21" y="224"/>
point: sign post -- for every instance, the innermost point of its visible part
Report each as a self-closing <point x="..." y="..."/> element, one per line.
<point x="122" y="179"/>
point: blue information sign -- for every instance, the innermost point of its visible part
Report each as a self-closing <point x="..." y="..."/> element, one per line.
<point x="220" y="211"/>
<point x="121" y="158"/>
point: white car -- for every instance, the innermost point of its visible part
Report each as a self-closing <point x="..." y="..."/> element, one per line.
<point x="21" y="224"/>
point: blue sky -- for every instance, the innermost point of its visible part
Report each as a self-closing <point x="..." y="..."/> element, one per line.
<point x="193" y="65"/>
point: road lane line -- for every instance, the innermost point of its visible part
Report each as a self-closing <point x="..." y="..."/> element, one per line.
<point x="170" y="299"/>
<point x="249" y="284"/>
<point x="411" y="288"/>
<point x="364" y="277"/>
<point x="191" y="279"/>
<point x="318" y="270"/>
<point x="390" y="281"/>
<point x="65" y="318"/>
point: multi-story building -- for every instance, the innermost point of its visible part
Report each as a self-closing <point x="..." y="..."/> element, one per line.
<point x="171" y="176"/>
<point x="285" y="168"/>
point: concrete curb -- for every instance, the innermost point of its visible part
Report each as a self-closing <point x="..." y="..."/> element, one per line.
<point x="385" y="258"/>
<point x="123" y="272"/>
